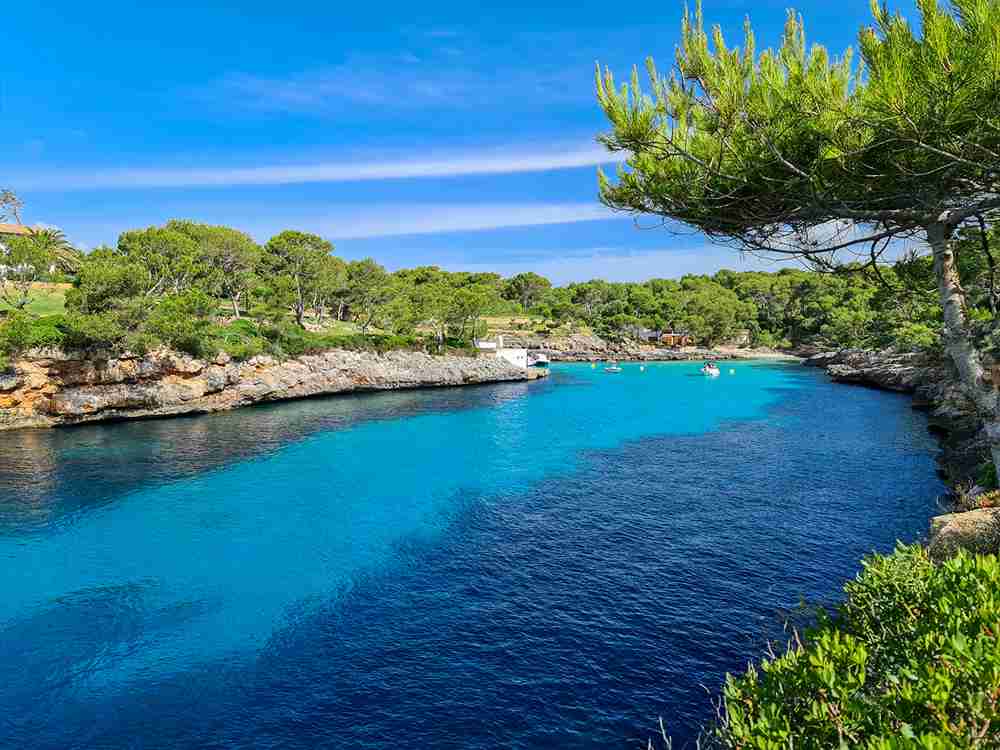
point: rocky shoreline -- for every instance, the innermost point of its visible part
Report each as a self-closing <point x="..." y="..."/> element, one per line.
<point x="586" y="348"/>
<point x="952" y="417"/>
<point x="935" y="390"/>
<point x="51" y="388"/>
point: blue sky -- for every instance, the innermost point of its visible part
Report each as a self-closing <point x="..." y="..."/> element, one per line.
<point x="451" y="133"/>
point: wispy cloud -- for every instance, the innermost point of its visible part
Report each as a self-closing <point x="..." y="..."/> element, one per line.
<point x="412" y="83"/>
<point x="455" y="164"/>
<point x="352" y="223"/>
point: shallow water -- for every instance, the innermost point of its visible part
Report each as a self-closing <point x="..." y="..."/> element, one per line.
<point x="548" y="564"/>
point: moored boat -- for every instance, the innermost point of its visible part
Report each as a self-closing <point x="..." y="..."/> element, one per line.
<point x="538" y="360"/>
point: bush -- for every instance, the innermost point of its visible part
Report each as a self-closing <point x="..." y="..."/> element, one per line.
<point x="94" y="331"/>
<point x="181" y="321"/>
<point x="912" y="659"/>
<point x="915" y="337"/>
<point x="20" y="331"/>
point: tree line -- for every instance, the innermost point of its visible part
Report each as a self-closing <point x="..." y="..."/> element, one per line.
<point x="202" y="289"/>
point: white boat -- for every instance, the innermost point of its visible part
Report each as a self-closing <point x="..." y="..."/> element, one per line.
<point x="612" y="367"/>
<point x="539" y="360"/>
<point x="711" y="371"/>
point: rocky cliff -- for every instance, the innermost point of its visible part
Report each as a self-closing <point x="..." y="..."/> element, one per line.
<point x="53" y="388"/>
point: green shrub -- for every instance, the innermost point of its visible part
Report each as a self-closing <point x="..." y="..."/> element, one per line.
<point x="21" y="331"/>
<point x="915" y="337"/>
<point x="94" y="331"/>
<point x="181" y="321"/>
<point x="912" y="659"/>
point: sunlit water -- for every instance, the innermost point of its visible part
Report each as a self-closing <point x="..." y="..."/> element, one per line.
<point x="544" y="565"/>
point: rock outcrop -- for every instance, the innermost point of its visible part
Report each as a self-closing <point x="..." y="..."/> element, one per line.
<point x="53" y="388"/>
<point x="972" y="530"/>
<point x="952" y="416"/>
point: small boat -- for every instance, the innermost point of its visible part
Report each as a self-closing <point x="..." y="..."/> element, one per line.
<point x="710" y="370"/>
<point x="539" y="360"/>
<point x="612" y="367"/>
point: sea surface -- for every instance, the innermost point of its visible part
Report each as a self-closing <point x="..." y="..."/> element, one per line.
<point x="556" y="564"/>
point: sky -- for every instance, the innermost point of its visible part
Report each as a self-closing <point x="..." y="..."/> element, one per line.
<point x="449" y="133"/>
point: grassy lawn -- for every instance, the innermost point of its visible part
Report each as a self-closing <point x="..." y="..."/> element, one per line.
<point x="46" y="299"/>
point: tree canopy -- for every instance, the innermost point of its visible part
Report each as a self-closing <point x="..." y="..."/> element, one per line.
<point x="794" y="151"/>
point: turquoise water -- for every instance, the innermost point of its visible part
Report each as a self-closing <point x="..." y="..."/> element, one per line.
<point x="548" y="564"/>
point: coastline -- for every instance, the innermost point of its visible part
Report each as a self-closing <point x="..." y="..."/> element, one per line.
<point x="934" y="389"/>
<point x="52" y="388"/>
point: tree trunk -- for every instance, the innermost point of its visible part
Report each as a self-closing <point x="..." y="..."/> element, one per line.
<point x="300" y="303"/>
<point x="236" y="306"/>
<point x="957" y="340"/>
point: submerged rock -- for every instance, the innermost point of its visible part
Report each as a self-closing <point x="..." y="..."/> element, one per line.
<point x="51" y="389"/>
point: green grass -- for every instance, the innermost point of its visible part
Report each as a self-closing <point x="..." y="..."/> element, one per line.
<point x="46" y="299"/>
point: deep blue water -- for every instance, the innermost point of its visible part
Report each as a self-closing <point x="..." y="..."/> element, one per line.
<point x="547" y="565"/>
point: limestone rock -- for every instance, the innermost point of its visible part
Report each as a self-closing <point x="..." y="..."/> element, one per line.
<point x="55" y="389"/>
<point x="886" y="370"/>
<point x="935" y="389"/>
<point x="974" y="530"/>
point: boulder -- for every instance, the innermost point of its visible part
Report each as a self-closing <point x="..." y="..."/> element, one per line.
<point x="974" y="530"/>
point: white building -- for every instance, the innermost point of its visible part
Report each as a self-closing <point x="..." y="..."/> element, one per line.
<point x="517" y="357"/>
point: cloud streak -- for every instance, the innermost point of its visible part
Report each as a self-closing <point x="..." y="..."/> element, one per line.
<point x="460" y="164"/>
<point x="357" y="223"/>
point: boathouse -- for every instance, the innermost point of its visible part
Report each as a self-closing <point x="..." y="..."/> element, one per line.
<point x="675" y="339"/>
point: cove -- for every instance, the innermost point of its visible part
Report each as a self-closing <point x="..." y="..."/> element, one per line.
<point x="553" y="564"/>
